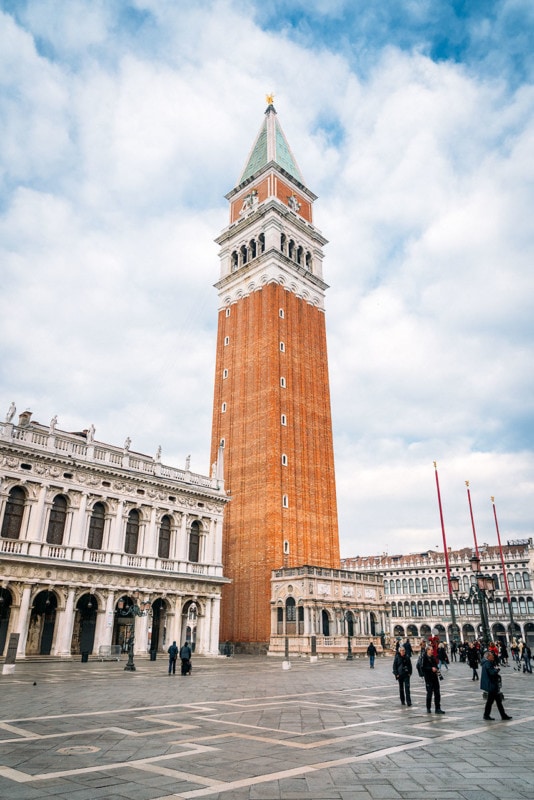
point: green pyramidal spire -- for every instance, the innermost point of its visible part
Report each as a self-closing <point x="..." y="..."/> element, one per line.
<point x="270" y="145"/>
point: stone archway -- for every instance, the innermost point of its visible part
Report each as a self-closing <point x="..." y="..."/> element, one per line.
<point x="83" y="631"/>
<point x="42" y="624"/>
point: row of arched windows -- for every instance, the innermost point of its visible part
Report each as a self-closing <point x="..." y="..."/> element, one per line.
<point x="436" y="585"/>
<point x="255" y="247"/>
<point x="295" y="252"/>
<point x="247" y="252"/>
<point x="14" y="511"/>
<point x="440" y="608"/>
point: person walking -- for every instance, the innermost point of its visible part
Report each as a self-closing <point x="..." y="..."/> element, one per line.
<point x="173" y="655"/>
<point x="490" y="682"/>
<point x="408" y="648"/>
<point x="431" y="675"/>
<point x="473" y="659"/>
<point x="402" y="669"/>
<point x="527" y="655"/>
<point x="371" y="652"/>
<point x="185" y="657"/>
<point x="454" y="650"/>
<point x="443" y="658"/>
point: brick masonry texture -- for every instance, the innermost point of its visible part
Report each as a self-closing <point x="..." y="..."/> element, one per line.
<point x="256" y="523"/>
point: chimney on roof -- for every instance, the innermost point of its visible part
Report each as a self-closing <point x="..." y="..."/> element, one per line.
<point x="24" y="418"/>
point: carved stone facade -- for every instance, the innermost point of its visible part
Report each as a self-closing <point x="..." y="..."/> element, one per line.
<point x="91" y="533"/>
<point x="326" y="612"/>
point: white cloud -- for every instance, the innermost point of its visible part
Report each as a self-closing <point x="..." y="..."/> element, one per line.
<point x="114" y="172"/>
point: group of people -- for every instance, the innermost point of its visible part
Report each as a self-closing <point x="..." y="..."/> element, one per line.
<point x="185" y="654"/>
<point x="433" y="658"/>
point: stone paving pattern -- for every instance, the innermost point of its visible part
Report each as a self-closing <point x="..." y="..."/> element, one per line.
<point x="245" y="728"/>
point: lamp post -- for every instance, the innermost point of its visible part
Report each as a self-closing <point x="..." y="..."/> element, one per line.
<point x="482" y="590"/>
<point x="348" y="617"/>
<point x="126" y="610"/>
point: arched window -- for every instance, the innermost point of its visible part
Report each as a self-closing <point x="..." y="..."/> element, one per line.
<point x="411" y="585"/>
<point x="518" y="582"/>
<point x="418" y="585"/>
<point x="308" y="260"/>
<point x="404" y="586"/>
<point x="431" y="585"/>
<point x="235" y="263"/>
<point x="291" y="249"/>
<point x="291" y="615"/>
<point x="530" y="605"/>
<point x="283" y="240"/>
<point x="164" y="539"/>
<point x="132" y="532"/>
<point x="58" y="518"/>
<point x="392" y="587"/>
<point x="438" y="585"/>
<point x="96" y="527"/>
<point x="261" y="242"/>
<point x="252" y="248"/>
<point x="300" y="253"/>
<point x="284" y="460"/>
<point x="522" y="606"/>
<point x="511" y="580"/>
<point x="496" y="584"/>
<point x="526" y="580"/>
<point x="397" y="586"/>
<point x="424" y="585"/>
<point x="12" y="522"/>
<point x="386" y="587"/>
<point x="194" y="541"/>
<point x="244" y="254"/>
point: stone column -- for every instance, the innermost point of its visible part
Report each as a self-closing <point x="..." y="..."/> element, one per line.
<point x="35" y="531"/>
<point x="79" y="524"/>
<point x="65" y="624"/>
<point x="23" y="620"/>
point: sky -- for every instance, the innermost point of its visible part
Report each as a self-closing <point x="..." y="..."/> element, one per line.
<point x="122" y="127"/>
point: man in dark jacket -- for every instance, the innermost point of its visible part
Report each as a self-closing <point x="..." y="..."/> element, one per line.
<point x="431" y="674"/>
<point x="490" y="683"/>
<point x="402" y="669"/>
<point x="173" y="655"/>
<point x="371" y="652"/>
<point x="185" y="657"/>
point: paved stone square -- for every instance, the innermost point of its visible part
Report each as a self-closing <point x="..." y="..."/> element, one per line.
<point x="245" y="728"/>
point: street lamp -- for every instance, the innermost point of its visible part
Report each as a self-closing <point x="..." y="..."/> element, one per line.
<point x="347" y="619"/>
<point x="483" y="590"/>
<point x="126" y="610"/>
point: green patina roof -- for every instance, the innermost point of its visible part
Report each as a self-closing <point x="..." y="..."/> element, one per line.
<point x="271" y="145"/>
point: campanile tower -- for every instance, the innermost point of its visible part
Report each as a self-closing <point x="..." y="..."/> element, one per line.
<point x="272" y="400"/>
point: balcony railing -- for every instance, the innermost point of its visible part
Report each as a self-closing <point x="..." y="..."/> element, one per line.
<point x="81" y="555"/>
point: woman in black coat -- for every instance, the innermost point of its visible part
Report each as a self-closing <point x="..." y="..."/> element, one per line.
<point x="473" y="659"/>
<point x="490" y="683"/>
<point x="402" y="669"/>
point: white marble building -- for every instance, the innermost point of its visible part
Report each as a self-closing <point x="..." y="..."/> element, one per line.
<point x="90" y="531"/>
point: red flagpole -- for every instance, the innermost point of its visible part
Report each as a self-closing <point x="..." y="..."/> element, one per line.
<point x="472" y="519"/>
<point x="443" y="531"/>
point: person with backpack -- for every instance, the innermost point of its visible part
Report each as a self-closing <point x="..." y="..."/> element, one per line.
<point x="402" y="669"/>
<point x="173" y="655"/>
<point x="185" y="656"/>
